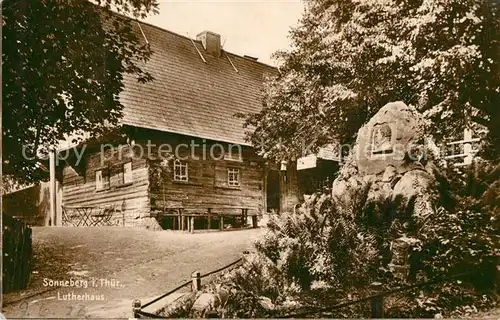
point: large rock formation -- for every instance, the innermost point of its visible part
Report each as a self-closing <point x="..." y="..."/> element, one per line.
<point x="392" y="161"/>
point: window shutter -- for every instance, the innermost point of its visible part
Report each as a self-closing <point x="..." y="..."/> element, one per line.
<point x="127" y="173"/>
<point x="98" y="180"/>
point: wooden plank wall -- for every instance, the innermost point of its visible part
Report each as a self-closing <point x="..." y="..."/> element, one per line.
<point x="30" y="205"/>
<point x="207" y="186"/>
<point x="80" y="189"/>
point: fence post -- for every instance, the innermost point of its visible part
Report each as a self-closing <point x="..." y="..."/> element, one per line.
<point x="377" y="302"/>
<point x="468" y="146"/>
<point x="245" y="256"/>
<point x="196" y="281"/>
<point x="136" y="306"/>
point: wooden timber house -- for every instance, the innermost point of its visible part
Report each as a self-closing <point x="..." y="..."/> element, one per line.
<point x="182" y="152"/>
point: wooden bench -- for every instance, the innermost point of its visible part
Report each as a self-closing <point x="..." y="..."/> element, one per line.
<point x="213" y="214"/>
<point x="173" y="212"/>
<point x="186" y="220"/>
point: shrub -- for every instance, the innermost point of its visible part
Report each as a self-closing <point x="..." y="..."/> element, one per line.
<point x="331" y="250"/>
<point x="321" y="244"/>
<point x="345" y="246"/>
<point x="456" y="240"/>
<point x="465" y="229"/>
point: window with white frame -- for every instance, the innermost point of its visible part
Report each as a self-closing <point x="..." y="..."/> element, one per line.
<point x="102" y="179"/>
<point x="233" y="177"/>
<point x="127" y="173"/>
<point x="180" y="170"/>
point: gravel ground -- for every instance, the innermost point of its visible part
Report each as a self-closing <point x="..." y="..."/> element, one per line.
<point x="492" y="314"/>
<point x="125" y="264"/>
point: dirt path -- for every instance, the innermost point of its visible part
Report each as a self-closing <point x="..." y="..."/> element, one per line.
<point x="117" y="265"/>
<point x="492" y="314"/>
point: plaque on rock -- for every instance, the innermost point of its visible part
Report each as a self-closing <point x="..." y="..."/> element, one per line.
<point x="381" y="139"/>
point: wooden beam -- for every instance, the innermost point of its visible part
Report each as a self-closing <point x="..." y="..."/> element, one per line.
<point x="209" y="218"/>
<point x="58" y="218"/>
<point x="179" y="220"/>
<point x="52" y="187"/>
<point x="377" y="302"/>
<point x="254" y="222"/>
<point x="468" y="146"/>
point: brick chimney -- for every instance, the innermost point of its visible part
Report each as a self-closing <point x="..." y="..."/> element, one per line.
<point x="210" y="41"/>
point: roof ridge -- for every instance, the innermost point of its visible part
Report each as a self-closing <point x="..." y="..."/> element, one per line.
<point x="185" y="37"/>
<point x="189" y="38"/>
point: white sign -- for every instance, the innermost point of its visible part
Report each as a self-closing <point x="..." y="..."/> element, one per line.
<point x="283" y="166"/>
<point x="306" y="162"/>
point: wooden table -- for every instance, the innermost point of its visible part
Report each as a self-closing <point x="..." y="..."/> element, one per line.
<point x="87" y="216"/>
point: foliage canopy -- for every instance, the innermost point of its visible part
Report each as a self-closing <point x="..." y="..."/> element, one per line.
<point x="63" y="63"/>
<point x="350" y="58"/>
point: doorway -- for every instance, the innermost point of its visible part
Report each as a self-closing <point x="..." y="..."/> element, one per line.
<point x="273" y="191"/>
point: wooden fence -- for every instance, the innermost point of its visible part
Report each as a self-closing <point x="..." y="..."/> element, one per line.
<point x="30" y="205"/>
<point x="17" y="254"/>
<point x="488" y="273"/>
<point x="195" y="283"/>
<point x="461" y="152"/>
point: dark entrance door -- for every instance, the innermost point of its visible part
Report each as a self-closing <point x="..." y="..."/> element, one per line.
<point x="273" y="191"/>
<point x="315" y="179"/>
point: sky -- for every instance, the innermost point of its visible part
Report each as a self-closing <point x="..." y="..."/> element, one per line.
<point x="256" y="28"/>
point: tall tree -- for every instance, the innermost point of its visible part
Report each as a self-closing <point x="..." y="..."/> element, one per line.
<point x="350" y="57"/>
<point x="63" y="63"/>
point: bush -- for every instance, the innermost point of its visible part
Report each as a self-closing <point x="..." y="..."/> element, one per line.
<point x="331" y="250"/>
<point x="465" y="229"/>
<point x="456" y="240"/>
<point x="321" y="246"/>
<point x="309" y="258"/>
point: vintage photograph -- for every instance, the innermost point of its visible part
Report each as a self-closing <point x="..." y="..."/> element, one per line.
<point x="250" y="159"/>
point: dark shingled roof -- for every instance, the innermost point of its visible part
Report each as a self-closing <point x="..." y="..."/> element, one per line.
<point x="189" y="96"/>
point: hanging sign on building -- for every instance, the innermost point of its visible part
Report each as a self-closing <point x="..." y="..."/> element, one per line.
<point x="306" y="162"/>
